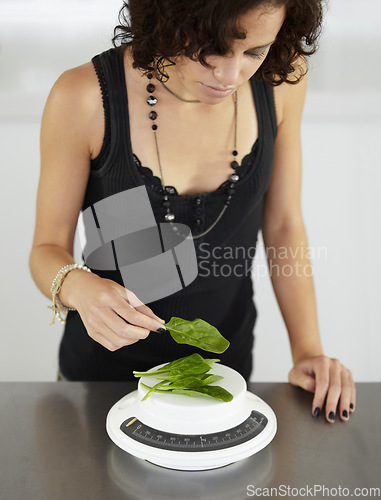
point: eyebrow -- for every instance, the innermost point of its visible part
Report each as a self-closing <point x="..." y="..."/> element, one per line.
<point x="261" y="46"/>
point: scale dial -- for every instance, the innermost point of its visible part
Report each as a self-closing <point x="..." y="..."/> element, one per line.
<point x="145" y="434"/>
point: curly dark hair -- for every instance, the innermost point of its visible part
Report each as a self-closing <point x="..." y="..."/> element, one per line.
<point x="160" y="30"/>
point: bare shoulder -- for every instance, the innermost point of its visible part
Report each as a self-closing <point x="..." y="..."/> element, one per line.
<point x="77" y="81"/>
<point x="75" y="103"/>
<point x="77" y="89"/>
<point x="289" y="98"/>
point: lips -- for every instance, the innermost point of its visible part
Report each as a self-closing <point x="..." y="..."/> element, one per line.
<point x="216" y="88"/>
<point x="217" y="92"/>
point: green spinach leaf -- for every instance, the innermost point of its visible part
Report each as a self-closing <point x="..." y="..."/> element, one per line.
<point x="212" y="391"/>
<point x="197" y="333"/>
<point x="189" y="382"/>
<point x="192" y="364"/>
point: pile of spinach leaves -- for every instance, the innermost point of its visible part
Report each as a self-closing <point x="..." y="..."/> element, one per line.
<point x="190" y="375"/>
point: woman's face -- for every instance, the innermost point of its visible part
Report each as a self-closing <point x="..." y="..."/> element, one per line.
<point x="191" y="80"/>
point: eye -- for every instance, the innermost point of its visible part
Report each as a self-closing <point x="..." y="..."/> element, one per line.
<point x="257" y="56"/>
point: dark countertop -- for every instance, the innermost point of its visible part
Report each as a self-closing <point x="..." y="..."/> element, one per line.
<point x="54" y="446"/>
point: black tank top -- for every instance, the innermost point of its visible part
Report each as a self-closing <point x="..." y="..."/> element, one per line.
<point x="222" y="293"/>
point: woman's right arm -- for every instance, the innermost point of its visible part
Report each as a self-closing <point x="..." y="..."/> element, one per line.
<point x="71" y="134"/>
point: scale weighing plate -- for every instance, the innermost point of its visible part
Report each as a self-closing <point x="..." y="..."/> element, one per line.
<point x="192" y="433"/>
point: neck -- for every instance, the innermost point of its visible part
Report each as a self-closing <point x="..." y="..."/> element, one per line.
<point x="192" y="101"/>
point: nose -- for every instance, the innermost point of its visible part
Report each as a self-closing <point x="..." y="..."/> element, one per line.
<point x="227" y="70"/>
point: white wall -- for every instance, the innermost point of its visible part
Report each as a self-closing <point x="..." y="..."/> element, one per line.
<point x="39" y="39"/>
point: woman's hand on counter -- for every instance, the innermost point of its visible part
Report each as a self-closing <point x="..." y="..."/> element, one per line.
<point x="331" y="382"/>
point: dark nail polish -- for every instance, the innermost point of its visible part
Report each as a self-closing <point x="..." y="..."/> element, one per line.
<point x="351" y="406"/>
<point x="331" y="416"/>
<point x="161" y="330"/>
<point x="345" y="414"/>
<point x="316" y="411"/>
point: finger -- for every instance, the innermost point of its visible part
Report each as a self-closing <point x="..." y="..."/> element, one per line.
<point x="121" y="328"/>
<point x="321" y="384"/>
<point x="352" y="405"/>
<point x="135" y="317"/>
<point x="301" y="379"/>
<point x="104" y="340"/>
<point x="346" y="394"/>
<point x="334" y="390"/>
<point x="148" y="312"/>
<point x="112" y="341"/>
<point x="98" y="329"/>
<point x="140" y="306"/>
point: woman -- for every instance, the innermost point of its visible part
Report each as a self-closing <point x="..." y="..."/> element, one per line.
<point x="209" y="96"/>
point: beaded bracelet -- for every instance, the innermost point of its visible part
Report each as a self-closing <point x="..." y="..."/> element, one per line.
<point x="57" y="307"/>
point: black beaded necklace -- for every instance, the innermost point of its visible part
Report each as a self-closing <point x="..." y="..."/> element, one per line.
<point x="233" y="178"/>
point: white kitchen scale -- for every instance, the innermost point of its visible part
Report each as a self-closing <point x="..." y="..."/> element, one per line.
<point x="192" y="433"/>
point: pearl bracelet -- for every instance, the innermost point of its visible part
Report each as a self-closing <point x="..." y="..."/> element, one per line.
<point x="57" y="307"/>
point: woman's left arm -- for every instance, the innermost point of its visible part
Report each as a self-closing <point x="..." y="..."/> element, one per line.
<point x="286" y="245"/>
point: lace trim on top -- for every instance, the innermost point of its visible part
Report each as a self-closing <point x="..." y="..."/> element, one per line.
<point x="101" y="158"/>
<point x="153" y="182"/>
